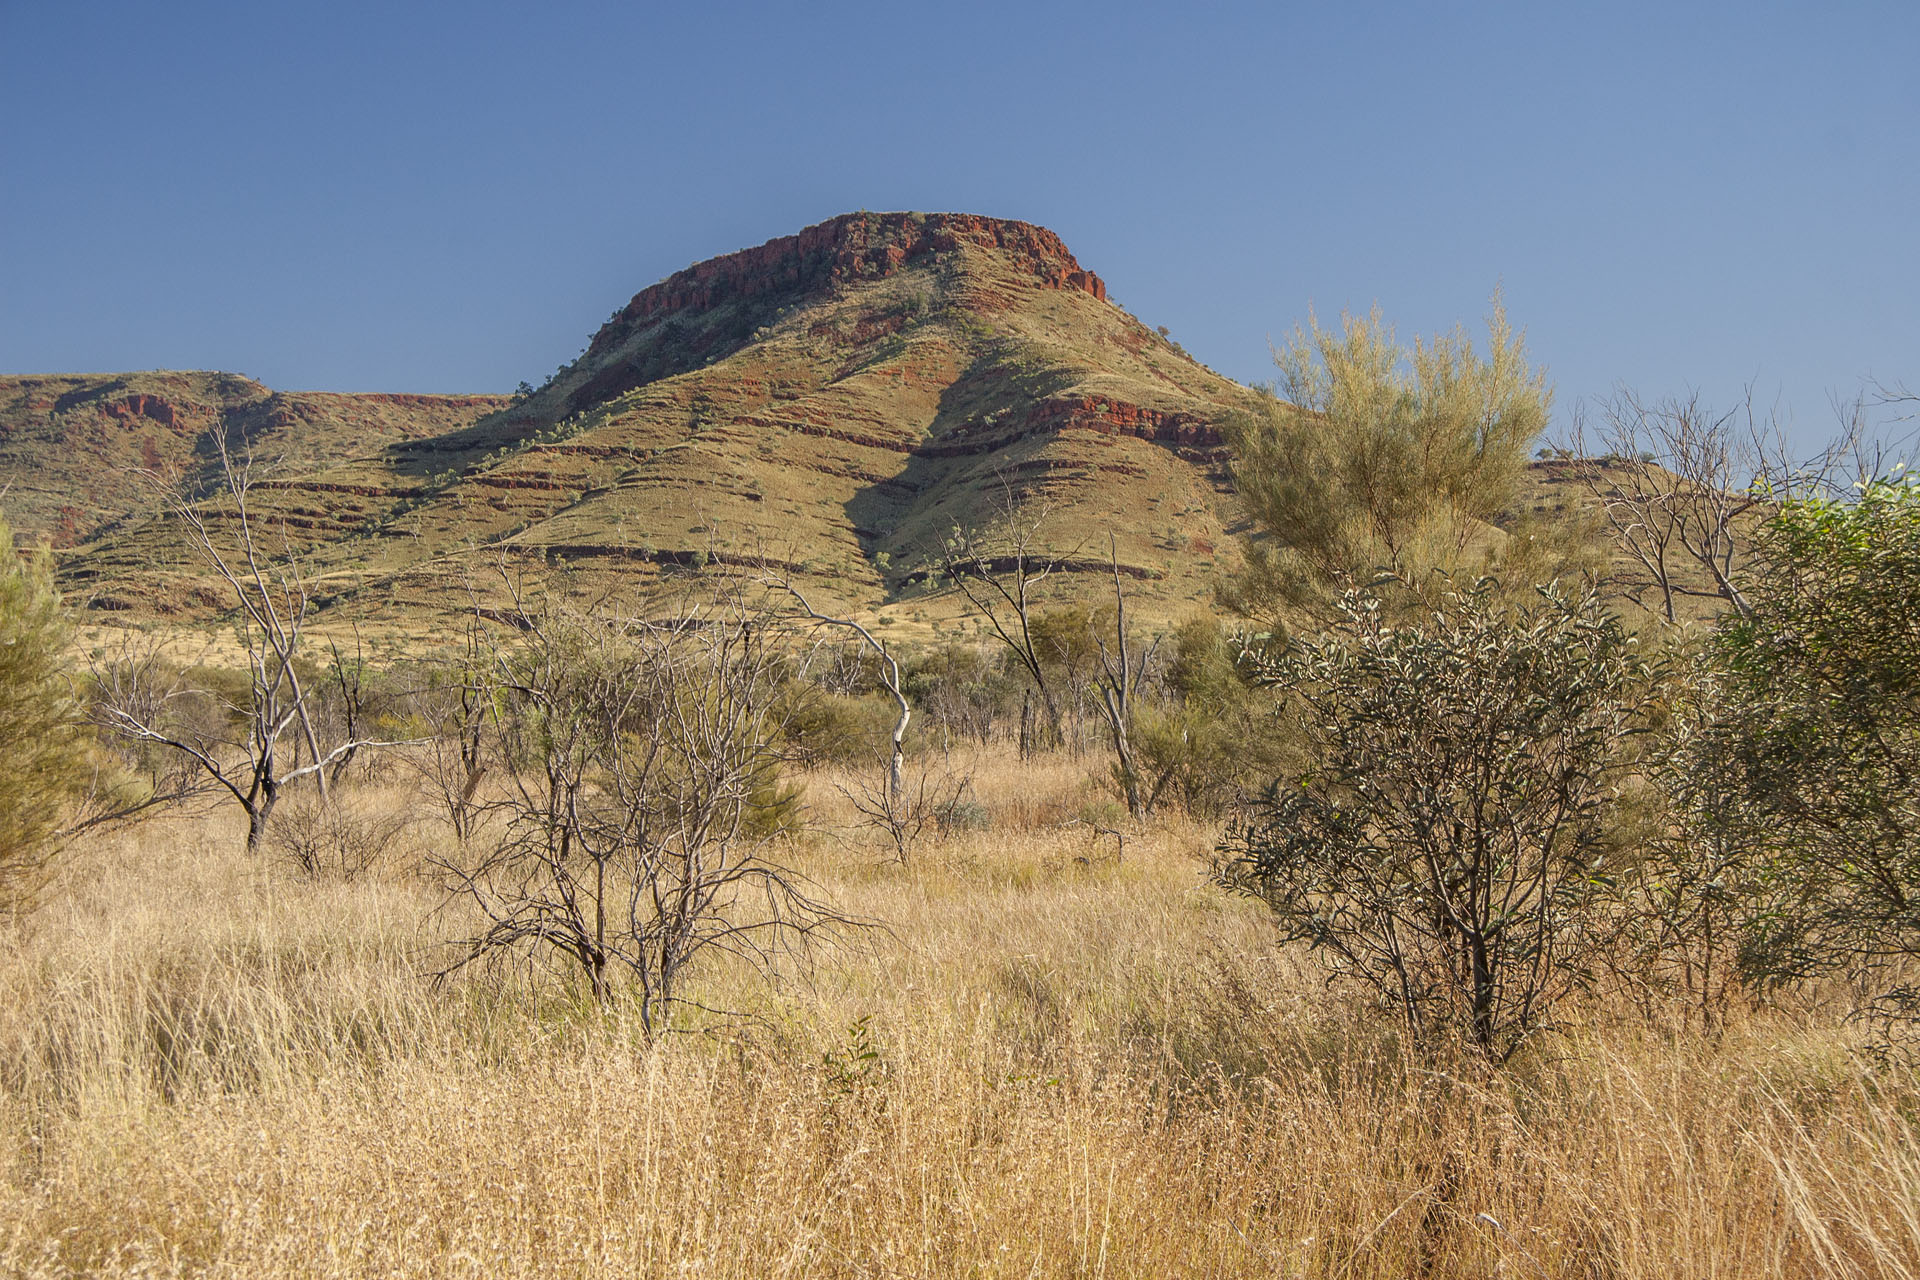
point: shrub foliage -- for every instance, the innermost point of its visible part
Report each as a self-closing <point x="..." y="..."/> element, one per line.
<point x="41" y="764"/>
<point x="1446" y="843"/>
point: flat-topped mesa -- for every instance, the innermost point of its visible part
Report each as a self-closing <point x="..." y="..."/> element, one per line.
<point x="854" y="246"/>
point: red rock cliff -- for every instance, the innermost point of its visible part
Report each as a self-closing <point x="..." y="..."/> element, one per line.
<point x="852" y="246"/>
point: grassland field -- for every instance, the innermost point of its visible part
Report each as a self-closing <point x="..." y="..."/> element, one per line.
<point x="1061" y="1054"/>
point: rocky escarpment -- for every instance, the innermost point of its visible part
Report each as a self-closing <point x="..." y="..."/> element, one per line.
<point x="853" y="247"/>
<point x="835" y="402"/>
<point x="77" y="451"/>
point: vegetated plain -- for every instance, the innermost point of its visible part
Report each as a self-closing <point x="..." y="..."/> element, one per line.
<point x="1057" y="1059"/>
<point x="1030" y="1014"/>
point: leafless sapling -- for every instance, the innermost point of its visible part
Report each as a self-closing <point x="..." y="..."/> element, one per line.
<point x="272" y="604"/>
<point x="1118" y="683"/>
<point x="998" y="572"/>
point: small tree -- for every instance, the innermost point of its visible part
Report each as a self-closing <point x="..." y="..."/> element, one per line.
<point x="1368" y="457"/>
<point x="889" y="672"/>
<point x="452" y="706"/>
<point x="1701" y="883"/>
<point x="1446" y="846"/>
<point x="1121" y="672"/>
<point x="276" y="718"/>
<point x="642" y="791"/>
<point x="42" y="762"/>
<point x="1818" y="730"/>
<point x="999" y="572"/>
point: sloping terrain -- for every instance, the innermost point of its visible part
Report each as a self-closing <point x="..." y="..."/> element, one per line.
<point x="74" y="447"/>
<point x="835" y="402"/>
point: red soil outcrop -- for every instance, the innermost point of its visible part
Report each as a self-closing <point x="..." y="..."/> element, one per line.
<point x="140" y="405"/>
<point x="850" y="247"/>
<point x="1183" y="432"/>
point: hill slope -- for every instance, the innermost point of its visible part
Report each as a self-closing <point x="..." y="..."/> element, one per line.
<point x="835" y="401"/>
<point x="72" y="446"/>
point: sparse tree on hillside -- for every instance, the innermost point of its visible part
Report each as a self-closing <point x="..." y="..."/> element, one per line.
<point x="1367" y="458"/>
<point x="42" y="764"/>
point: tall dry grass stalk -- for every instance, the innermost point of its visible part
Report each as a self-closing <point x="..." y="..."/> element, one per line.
<point x="1055" y="1062"/>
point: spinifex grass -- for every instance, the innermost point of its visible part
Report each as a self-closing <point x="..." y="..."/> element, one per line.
<point x="1056" y="1061"/>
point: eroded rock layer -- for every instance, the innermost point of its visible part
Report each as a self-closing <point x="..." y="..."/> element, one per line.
<point x="837" y="401"/>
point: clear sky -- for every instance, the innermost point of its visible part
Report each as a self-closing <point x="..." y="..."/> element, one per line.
<point x="440" y="197"/>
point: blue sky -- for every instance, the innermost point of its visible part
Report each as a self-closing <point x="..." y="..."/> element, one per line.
<point x="452" y="197"/>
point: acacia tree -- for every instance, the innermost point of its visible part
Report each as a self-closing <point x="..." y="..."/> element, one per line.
<point x="640" y="765"/>
<point x="1446" y="845"/>
<point x="1368" y="458"/>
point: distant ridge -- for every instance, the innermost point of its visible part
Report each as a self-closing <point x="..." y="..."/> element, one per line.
<point x="837" y="400"/>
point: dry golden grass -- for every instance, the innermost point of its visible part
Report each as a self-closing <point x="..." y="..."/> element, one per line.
<point x="1082" y="1066"/>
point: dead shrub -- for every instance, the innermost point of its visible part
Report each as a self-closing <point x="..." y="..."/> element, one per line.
<point x="342" y="839"/>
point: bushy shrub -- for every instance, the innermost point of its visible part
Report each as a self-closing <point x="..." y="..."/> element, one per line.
<point x="1446" y="843"/>
<point x="42" y="765"/>
<point x="1206" y="745"/>
<point x="838" y="728"/>
<point x="1813" y="752"/>
<point x="1374" y="457"/>
<point x="340" y="840"/>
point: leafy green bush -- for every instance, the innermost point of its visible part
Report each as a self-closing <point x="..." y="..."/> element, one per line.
<point x="1207" y="745"/>
<point x="1446" y="843"/>
<point x="1814" y="750"/>
<point x="838" y="728"/>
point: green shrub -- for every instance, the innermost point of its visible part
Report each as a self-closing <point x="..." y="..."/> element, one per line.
<point x="42" y="763"/>
<point x="1446" y="845"/>
<point x="1814" y="747"/>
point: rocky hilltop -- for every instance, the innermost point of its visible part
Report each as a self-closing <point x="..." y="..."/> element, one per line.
<point x="836" y="401"/>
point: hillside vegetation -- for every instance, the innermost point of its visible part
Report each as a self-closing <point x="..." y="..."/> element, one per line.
<point x="835" y="402"/>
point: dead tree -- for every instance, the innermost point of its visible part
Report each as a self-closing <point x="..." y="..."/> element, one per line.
<point x="998" y="572"/>
<point x="453" y="703"/>
<point x="904" y="812"/>
<point x="1678" y="482"/>
<point x="1118" y="683"/>
<point x="1674" y="481"/>
<point x="641" y="775"/>
<point x="257" y="763"/>
<point x="889" y="679"/>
